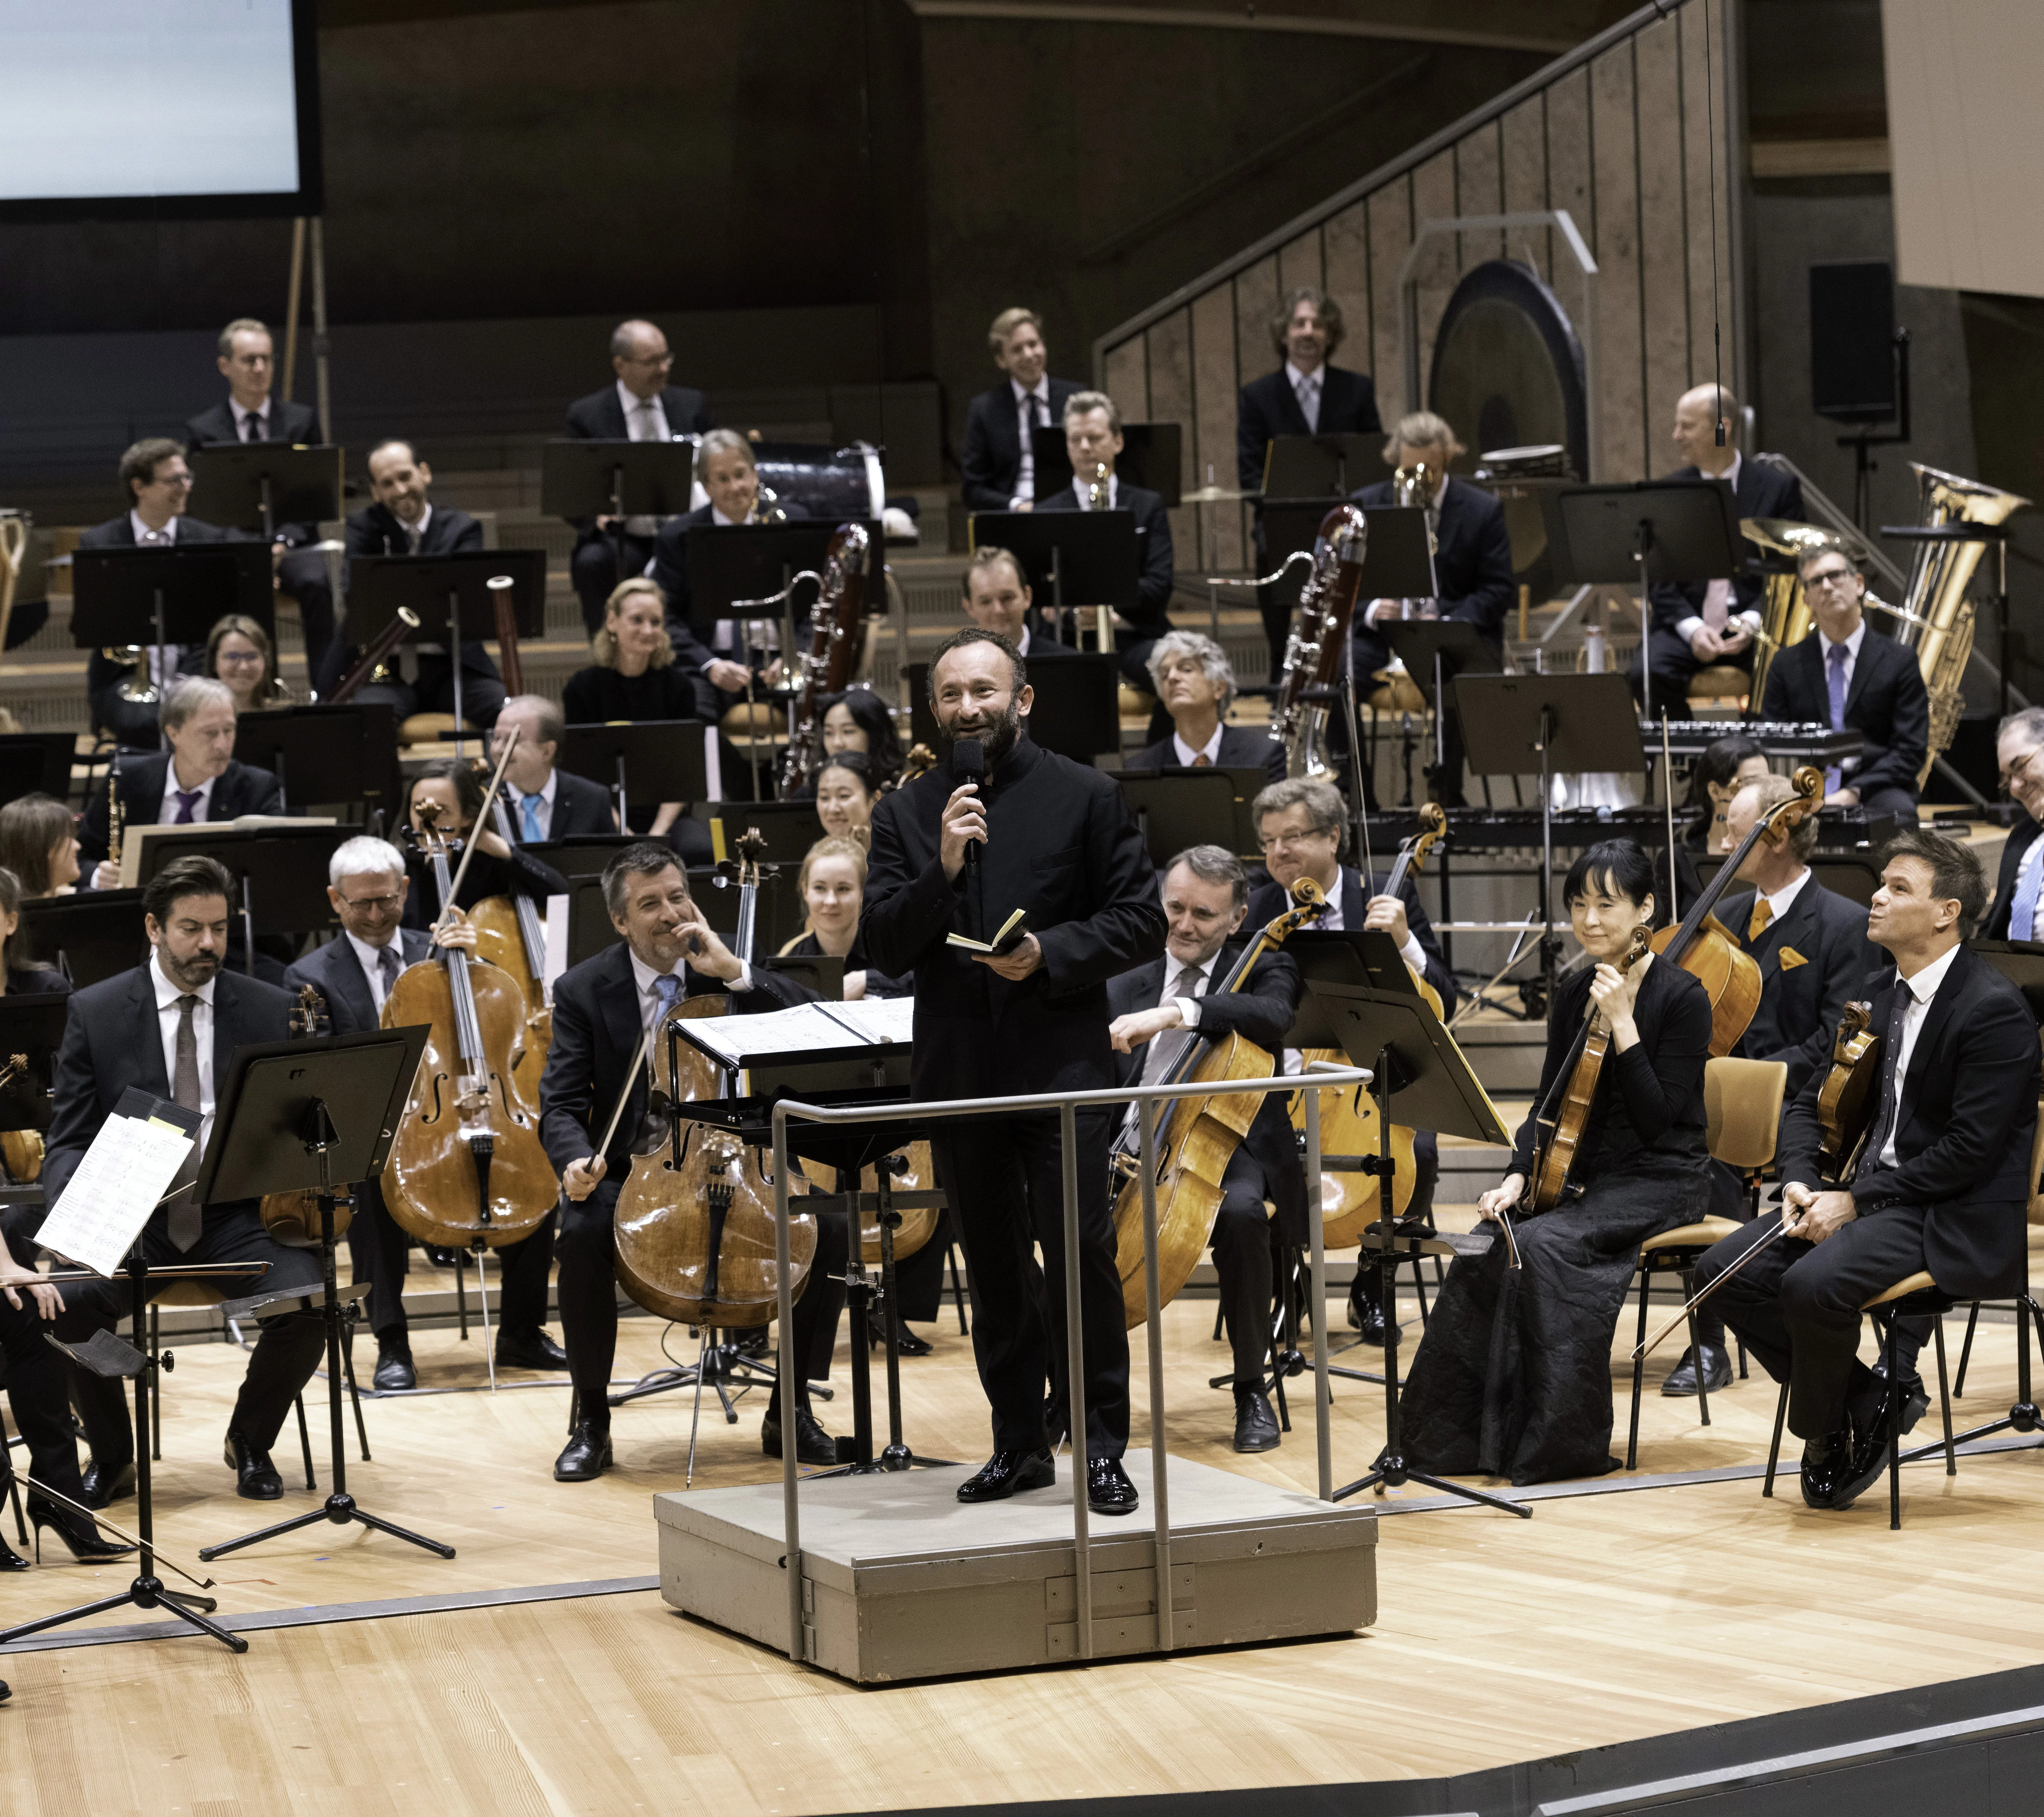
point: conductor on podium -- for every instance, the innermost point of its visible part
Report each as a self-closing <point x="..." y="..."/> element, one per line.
<point x="1004" y="825"/>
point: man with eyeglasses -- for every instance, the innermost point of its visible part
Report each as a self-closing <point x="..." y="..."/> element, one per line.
<point x="1842" y="675"/>
<point x="2016" y="890"/>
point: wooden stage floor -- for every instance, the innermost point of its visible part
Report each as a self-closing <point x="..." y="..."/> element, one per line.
<point x="1607" y="1617"/>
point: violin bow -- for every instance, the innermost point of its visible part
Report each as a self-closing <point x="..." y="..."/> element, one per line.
<point x="1640" y="1352"/>
<point x="475" y="833"/>
<point x="99" y="1519"/>
<point x="624" y="1097"/>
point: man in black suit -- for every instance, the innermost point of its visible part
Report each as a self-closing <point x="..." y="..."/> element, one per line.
<point x="1843" y="674"/>
<point x="2020" y="886"/>
<point x="1699" y="624"/>
<point x="247" y="362"/>
<point x="170" y="1027"/>
<point x="1056" y="840"/>
<point x="197" y="779"/>
<point x="1472" y="569"/>
<point x="1302" y="826"/>
<point x="1941" y="1184"/>
<point x="1811" y="947"/>
<point x="601" y="1007"/>
<point x="1164" y="1007"/>
<point x="158" y="483"/>
<point x="545" y="802"/>
<point x="1194" y="682"/>
<point x="1092" y="439"/>
<point x="1305" y="397"/>
<point x="639" y="406"/>
<point x="404" y="520"/>
<point x="999" y="465"/>
<point x="997" y="598"/>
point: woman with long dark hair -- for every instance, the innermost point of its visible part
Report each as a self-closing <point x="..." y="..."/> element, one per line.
<point x="39" y="844"/>
<point x="453" y="786"/>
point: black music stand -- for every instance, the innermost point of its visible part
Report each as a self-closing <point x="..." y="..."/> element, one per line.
<point x="90" y="937"/>
<point x="1076" y="713"/>
<point x="740" y="571"/>
<point x="583" y="854"/>
<point x="588" y="478"/>
<point x="1299" y="467"/>
<point x="642" y="761"/>
<point x="788" y="828"/>
<point x="1175" y="808"/>
<point x="35" y="763"/>
<point x="1080" y="557"/>
<point x="287" y="864"/>
<point x="298" y="1115"/>
<point x="1652" y="533"/>
<point x="1435" y="651"/>
<point x="170" y="595"/>
<point x="1412" y="1059"/>
<point x="325" y="754"/>
<point x="257" y="486"/>
<point x="1152" y="456"/>
<point x="1515" y="724"/>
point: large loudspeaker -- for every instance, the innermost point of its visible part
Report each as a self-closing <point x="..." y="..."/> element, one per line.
<point x="1852" y="341"/>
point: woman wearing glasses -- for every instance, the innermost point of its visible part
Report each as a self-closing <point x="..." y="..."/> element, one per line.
<point x="238" y="652"/>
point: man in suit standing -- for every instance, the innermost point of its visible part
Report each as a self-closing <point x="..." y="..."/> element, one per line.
<point x="639" y="405"/>
<point x="247" y="362"/>
<point x="1698" y="624"/>
<point x="404" y="520"/>
<point x="1194" y="683"/>
<point x="997" y="598"/>
<point x="2020" y="886"/>
<point x="1162" y="1008"/>
<point x="1842" y="675"/>
<point x="198" y="779"/>
<point x="999" y="465"/>
<point x="1942" y="1184"/>
<point x="545" y="802"/>
<point x="1092" y="439"/>
<point x="1055" y="839"/>
<point x="170" y="1027"/>
<point x="1472" y="569"/>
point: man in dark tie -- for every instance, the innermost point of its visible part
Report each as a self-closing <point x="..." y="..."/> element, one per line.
<point x="545" y="802"/>
<point x="998" y="464"/>
<point x="1941" y="1186"/>
<point x="247" y="362"/>
<point x="2021" y="884"/>
<point x="1844" y="674"/>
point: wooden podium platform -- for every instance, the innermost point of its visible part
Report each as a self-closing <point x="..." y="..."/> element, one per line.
<point x="902" y="1581"/>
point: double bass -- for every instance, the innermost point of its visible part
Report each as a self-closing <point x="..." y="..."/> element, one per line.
<point x="1196" y="1137"/>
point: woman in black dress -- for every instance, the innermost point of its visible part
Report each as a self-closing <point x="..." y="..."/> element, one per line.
<point x="1513" y="1376"/>
<point x="496" y="869"/>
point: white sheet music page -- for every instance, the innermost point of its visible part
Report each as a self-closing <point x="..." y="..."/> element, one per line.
<point x="106" y="1202"/>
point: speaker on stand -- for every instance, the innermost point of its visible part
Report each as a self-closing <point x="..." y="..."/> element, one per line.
<point x="1859" y="363"/>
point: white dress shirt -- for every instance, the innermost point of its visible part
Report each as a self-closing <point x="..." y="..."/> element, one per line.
<point x="1719" y="592"/>
<point x="1779" y="901"/>
<point x="1113" y="492"/>
<point x="643" y="975"/>
<point x="415" y="534"/>
<point x="1921" y="988"/>
<point x="1187" y="756"/>
<point x="1025" y="420"/>
<point x="370" y="960"/>
<point x="1307" y="386"/>
<point x="146" y="538"/>
<point x="167" y="995"/>
<point x="167" y="816"/>
<point x="242" y="413"/>
<point x="1188" y="1001"/>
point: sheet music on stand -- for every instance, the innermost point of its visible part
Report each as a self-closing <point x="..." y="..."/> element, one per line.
<point x="125" y="1172"/>
<point x="809" y="1030"/>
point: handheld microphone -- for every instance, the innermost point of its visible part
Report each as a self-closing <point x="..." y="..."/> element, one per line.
<point x="969" y="765"/>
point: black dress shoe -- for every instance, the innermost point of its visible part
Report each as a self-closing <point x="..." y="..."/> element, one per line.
<point x="107" y="1481"/>
<point x="256" y="1476"/>
<point x="394" y="1370"/>
<point x="1109" y="1490"/>
<point x="1365" y="1316"/>
<point x="586" y="1455"/>
<point x="10" y="1560"/>
<point x="79" y="1533"/>
<point x="1255" y="1425"/>
<point x="1056" y="1420"/>
<point x="812" y="1444"/>
<point x="1007" y="1473"/>
<point x="1682" y="1379"/>
<point x="1915" y="1397"/>
<point x="749" y="1341"/>
<point x="1825" y="1462"/>
<point x="908" y="1344"/>
<point x="1869" y="1452"/>
<point x="530" y="1350"/>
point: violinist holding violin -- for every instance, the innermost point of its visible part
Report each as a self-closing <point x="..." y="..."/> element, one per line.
<point x="1512" y="1376"/>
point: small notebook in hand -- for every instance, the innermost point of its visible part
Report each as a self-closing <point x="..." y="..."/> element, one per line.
<point x="1014" y="931"/>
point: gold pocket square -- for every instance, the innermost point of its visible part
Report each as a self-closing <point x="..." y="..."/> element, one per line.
<point x="1791" y="958"/>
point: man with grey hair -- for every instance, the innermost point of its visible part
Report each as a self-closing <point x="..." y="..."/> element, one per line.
<point x="1191" y="678"/>
<point x="1160" y="1011"/>
<point x="196" y="779"/>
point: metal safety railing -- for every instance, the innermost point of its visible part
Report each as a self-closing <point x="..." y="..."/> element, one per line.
<point x="1067" y="1105"/>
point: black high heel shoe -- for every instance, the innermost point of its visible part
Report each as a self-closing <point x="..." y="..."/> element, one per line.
<point x="75" y="1530"/>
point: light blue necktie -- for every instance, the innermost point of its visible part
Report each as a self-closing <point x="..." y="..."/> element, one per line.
<point x="666" y="990"/>
<point x="533" y="830"/>
<point x="2030" y="881"/>
<point x="1835" y="684"/>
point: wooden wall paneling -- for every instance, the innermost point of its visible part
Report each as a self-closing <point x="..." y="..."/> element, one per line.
<point x="1663" y="239"/>
<point x="1255" y="298"/>
<point x="1704" y="177"/>
<point x="1614" y="125"/>
<point x="1433" y="199"/>
<point x="1171" y="401"/>
<point x="1211" y="433"/>
<point x="1346" y="240"/>
<point x="1568" y="188"/>
<point x="1479" y="190"/>
<point x="1299" y="262"/>
<point x="1126" y="378"/>
<point x="1390" y="236"/>
<point x="1523" y="164"/>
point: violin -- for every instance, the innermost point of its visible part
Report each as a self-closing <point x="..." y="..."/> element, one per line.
<point x="920" y="761"/>
<point x="466" y="1170"/>
<point x="1708" y="950"/>
<point x="826" y="665"/>
<point x="1348" y="1117"/>
<point x="1850" y="1094"/>
<point x="1561" y="1133"/>
<point x="1196" y="1137"/>
<point x="293" y="1219"/>
<point x="510" y="935"/>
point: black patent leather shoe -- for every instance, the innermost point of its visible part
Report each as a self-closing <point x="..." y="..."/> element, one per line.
<point x="1255" y="1425"/>
<point x="1915" y="1397"/>
<point x="1825" y="1462"/>
<point x="908" y="1344"/>
<point x="1056" y="1420"/>
<point x="586" y="1455"/>
<point x="395" y="1371"/>
<point x="1109" y="1490"/>
<point x="1869" y="1452"/>
<point x="812" y="1444"/>
<point x="107" y="1481"/>
<point x="10" y="1560"/>
<point x="256" y="1476"/>
<point x="80" y="1536"/>
<point x="1009" y="1472"/>
<point x="530" y="1350"/>
<point x="1682" y="1379"/>
<point x="1365" y="1316"/>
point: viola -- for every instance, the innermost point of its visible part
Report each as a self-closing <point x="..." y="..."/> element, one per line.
<point x="510" y="935"/>
<point x="1850" y="1094"/>
<point x="1563" y="1135"/>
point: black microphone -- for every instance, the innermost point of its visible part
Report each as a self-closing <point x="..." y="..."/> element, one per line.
<point x="969" y="765"/>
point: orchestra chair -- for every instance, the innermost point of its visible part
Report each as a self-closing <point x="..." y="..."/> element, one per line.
<point x="1720" y="681"/>
<point x="433" y="729"/>
<point x="1917" y="1296"/>
<point x="751" y="722"/>
<point x="1742" y="1114"/>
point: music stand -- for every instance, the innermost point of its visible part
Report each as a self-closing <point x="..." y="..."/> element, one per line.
<point x="1152" y="456"/>
<point x="260" y="485"/>
<point x="1652" y="533"/>
<point x="1076" y="713"/>
<point x="641" y="761"/>
<point x="584" y="854"/>
<point x="1175" y="808"/>
<point x="1413" y="1059"/>
<point x="90" y="937"/>
<point x="1435" y="651"/>
<point x="171" y="595"/>
<point x="289" y="863"/>
<point x="1082" y="557"/>
<point x="299" y="1116"/>
<point x="35" y="763"/>
<point x="588" y="478"/>
<point x="1299" y="467"/>
<point x="325" y="754"/>
<point x="743" y="562"/>
<point x="788" y="828"/>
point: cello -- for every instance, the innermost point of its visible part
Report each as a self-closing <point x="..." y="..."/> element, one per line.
<point x="509" y="934"/>
<point x="1196" y="1137"/>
